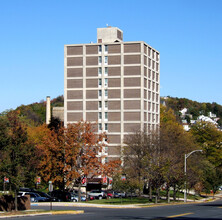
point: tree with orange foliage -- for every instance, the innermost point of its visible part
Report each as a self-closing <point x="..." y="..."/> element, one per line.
<point x="69" y="154"/>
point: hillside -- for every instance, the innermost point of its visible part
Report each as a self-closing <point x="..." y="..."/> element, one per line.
<point x="35" y="113"/>
<point x="193" y="108"/>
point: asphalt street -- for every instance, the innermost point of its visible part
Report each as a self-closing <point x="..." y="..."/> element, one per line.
<point x="209" y="210"/>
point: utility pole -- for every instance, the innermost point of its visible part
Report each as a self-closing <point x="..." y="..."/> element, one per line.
<point x="185" y="172"/>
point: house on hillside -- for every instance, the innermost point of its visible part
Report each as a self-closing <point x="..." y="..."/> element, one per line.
<point x="206" y="119"/>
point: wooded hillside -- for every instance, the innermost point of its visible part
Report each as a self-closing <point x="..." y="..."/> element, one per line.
<point x="194" y="108"/>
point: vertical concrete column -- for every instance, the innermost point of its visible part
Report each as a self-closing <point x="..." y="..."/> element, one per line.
<point x="48" y="110"/>
<point x="65" y="86"/>
<point x="142" y="87"/>
<point x="122" y="99"/>
<point x="84" y="83"/>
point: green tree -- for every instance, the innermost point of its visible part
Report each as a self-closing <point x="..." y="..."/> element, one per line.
<point x="175" y="142"/>
<point x="209" y="138"/>
<point x="18" y="154"/>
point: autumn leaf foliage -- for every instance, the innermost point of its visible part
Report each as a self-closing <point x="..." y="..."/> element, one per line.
<point x="70" y="153"/>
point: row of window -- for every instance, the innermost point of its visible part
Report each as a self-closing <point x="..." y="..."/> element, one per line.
<point x="105" y="115"/>
<point x="105" y="82"/>
<point x="105" y="127"/>
<point x="153" y="107"/>
<point x="149" y="51"/>
<point x="105" y="60"/>
<point x="105" y="93"/>
<point x="100" y="71"/>
<point x="154" y="75"/>
<point x="154" y="96"/>
<point x="100" y="48"/>
<point x="105" y="105"/>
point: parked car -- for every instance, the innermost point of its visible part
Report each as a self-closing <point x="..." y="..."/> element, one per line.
<point x="49" y="198"/>
<point x="131" y="194"/>
<point x="119" y="194"/>
<point x="97" y="194"/>
<point x="35" y="197"/>
<point x="109" y="194"/>
<point x="63" y="196"/>
<point x="83" y="197"/>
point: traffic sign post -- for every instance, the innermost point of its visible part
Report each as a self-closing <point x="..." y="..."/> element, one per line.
<point x="6" y="180"/>
<point x="50" y="190"/>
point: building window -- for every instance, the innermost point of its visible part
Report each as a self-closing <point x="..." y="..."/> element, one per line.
<point x="157" y="77"/>
<point x="100" y="82"/>
<point x="153" y="75"/>
<point x="106" y="150"/>
<point x="106" y="60"/>
<point x="106" y="82"/>
<point x="100" y="104"/>
<point x="106" y="104"/>
<point x="149" y="74"/>
<point x="149" y="106"/>
<point x="100" y="48"/>
<point x="106" y="115"/>
<point x="149" y="51"/>
<point x="157" y="67"/>
<point x="157" y="87"/>
<point x="153" y="54"/>
<point x="106" y="71"/>
<point x="100" y="93"/>
<point x="106" y="48"/>
<point x="106" y="93"/>
<point x="106" y="159"/>
<point x="149" y="95"/>
<point x="153" y="107"/>
<point x="153" y="98"/>
<point x="100" y="71"/>
<point x="100" y="60"/>
<point x="100" y="115"/>
<point x="157" y="98"/>
<point x="157" y="57"/>
<point x="106" y="127"/>
<point x="153" y="65"/>
<point x="100" y="127"/>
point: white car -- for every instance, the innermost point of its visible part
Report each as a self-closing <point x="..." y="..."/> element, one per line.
<point x="97" y="194"/>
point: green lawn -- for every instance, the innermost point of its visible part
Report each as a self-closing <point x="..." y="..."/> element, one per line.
<point x="141" y="200"/>
<point x="118" y="201"/>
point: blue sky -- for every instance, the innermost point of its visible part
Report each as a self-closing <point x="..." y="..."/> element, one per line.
<point x="187" y="33"/>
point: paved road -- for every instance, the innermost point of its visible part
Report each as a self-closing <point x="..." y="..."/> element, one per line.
<point x="206" y="211"/>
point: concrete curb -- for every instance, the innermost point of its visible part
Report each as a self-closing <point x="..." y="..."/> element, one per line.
<point x="65" y="212"/>
<point x="131" y="206"/>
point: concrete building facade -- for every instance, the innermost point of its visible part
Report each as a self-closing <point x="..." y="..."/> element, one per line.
<point x="113" y="84"/>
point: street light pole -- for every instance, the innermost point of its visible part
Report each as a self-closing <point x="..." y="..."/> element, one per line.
<point x="185" y="172"/>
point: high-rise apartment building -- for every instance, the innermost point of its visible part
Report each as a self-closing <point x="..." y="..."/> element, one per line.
<point x="114" y="84"/>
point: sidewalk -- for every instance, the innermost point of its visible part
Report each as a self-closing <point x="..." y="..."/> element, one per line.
<point x="119" y="206"/>
<point x="82" y="204"/>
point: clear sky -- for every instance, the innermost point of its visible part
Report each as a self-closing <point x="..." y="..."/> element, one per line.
<point x="187" y="33"/>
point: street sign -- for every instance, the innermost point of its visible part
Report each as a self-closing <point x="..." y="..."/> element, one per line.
<point x="6" y="179"/>
<point x="38" y="180"/>
<point x="50" y="186"/>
